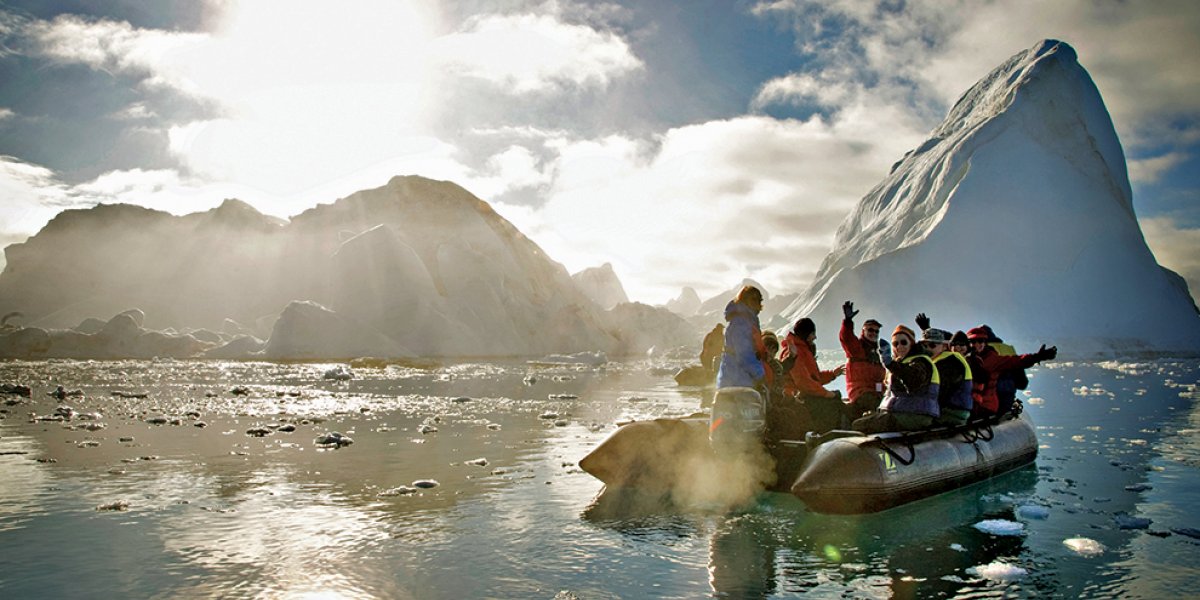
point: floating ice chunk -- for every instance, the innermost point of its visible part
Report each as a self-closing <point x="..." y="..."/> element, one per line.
<point x="1129" y="522"/>
<point x="1084" y="546"/>
<point x="1187" y="531"/>
<point x="1000" y="527"/>
<point x="339" y="373"/>
<point x="1139" y="487"/>
<point x="957" y="548"/>
<point x="1033" y="511"/>
<point x="998" y="571"/>
<point x="478" y="462"/>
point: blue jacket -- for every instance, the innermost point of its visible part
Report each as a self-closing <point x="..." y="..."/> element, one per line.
<point x="740" y="364"/>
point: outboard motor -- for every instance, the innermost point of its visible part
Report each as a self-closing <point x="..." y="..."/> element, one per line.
<point x="738" y="419"/>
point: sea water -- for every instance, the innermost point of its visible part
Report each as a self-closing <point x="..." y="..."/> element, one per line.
<point x="129" y="496"/>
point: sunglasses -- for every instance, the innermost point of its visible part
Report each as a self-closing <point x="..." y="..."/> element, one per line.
<point x="870" y="330"/>
<point x="900" y="342"/>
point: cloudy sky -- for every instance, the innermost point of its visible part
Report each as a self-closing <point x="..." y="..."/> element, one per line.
<point x="687" y="143"/>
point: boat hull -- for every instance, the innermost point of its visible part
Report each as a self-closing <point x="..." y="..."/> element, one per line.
<point x="866" y="474"/>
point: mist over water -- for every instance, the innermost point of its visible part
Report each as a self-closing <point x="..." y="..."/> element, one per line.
<point x="213" y="511"/>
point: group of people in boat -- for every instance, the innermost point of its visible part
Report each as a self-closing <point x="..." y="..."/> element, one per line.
<point x="907" y="384"/>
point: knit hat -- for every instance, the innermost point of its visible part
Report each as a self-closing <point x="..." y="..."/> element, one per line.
<point x="977" y="334"/>
<point x="935" y="335"/>
<point x="804" y="327"/>
<point x="906" y="331"/>
<point x="872" y="322"/>
<point x="959" y="339"/>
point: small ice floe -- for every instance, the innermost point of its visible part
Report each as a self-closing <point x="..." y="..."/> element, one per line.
<point x="427" y="428"/>
<point x="87" y="444"/>
<point x="192" y="414"/>
<point x="339" y="373"/>
<point x="240" y="390"/>
<point x="1001" y="527"/>
<point x="286" y="428"/>
<point x="998" y="571"/>
<point x="478" y="462"/>
<point x="333" y="440"/>
<point x="425" y="484"/>
<point x="1125" y="521"/>
<point x="461" y="399"/>
<point x="529" y="380"/>
<point x="259" y="431"/>
<point x="493" y="426"/>
<point x="957" y="548"/>
<point x="65" y="412"/>
<point x="1101" y="500"/>
<point x="157" y="420"/>
<point x="130" y="395"/>
<point x="594" y="359"/>
<point x="200" y="424"/>
<point x="563" y="397"/>
<point x="1084" y="546"/>
<point x="113" y="506"/>
<point x="126" y="439"/>
<point x="403" y="490"/>
<point x="561" y="423"/>
<point x="633" y="398"/>
<point x="91" y="426"/>
<point x="1187" y="532"/>
<point x="1033" y="511"/>
<point x="1139" y="487"/>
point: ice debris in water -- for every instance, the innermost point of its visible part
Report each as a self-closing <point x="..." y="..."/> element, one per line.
<point x="998" y="571"/>
<point x="334" y="440"/>
<point x="957" y="548"/>
<point x="1000" y="527"/>
<point x="113" y="506"/>
<point x="1033" y="511"/>
<point x="478" y="462"/>
<point x="403" y="490"/>
<point x="425" y="484"/>
<point x="1084" y="546"/>
<point x="1139" y="487"/>
<point x="339" y="373"/>
<point x="1125" y="521"/>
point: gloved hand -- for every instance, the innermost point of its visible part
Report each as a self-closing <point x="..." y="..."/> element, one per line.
<point x="885" y="352"/>
<point x="922" y="321"/>
<point x="1045" y="353"/>
<point x="848" y="311"/>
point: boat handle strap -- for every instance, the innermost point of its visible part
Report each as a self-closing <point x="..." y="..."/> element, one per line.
<point x="912" y="453"/>
<point x="987" y="437"/>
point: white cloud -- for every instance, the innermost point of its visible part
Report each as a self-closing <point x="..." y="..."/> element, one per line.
<point x="1149" y="170"/>
<point x="31" y="196"/>
<point x="1143" y="56"/>
<point x="535" y="53"/>
<point x="751" y="196"/>
<point x="799" y="88"/>
<point x="6" y="113"/>
<point x="1175" y="247"/>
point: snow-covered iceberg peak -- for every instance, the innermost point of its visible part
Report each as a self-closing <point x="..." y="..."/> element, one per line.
<point x="1016" y="212"/>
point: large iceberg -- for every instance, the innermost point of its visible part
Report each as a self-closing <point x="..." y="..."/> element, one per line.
<point x="1016" y="212"/>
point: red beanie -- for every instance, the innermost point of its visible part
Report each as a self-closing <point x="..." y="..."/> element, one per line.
<point x="977" y="334"/>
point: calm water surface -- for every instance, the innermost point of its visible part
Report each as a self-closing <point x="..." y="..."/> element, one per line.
<point x="214" y="511"/>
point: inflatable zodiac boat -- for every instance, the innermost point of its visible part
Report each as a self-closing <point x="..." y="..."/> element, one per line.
<point x="842" y="472"/>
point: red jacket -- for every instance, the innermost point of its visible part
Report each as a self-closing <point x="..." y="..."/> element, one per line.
<point x="805" y="378"/>
<point x="993" y="364"/>
<point x="864" y="371"/>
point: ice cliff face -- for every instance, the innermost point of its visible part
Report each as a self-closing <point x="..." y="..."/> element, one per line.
<point x="422" y="266"/>
<point x="601" y="285"/>
<point x="1016" y="212"/>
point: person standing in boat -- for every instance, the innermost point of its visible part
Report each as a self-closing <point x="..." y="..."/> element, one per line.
<point x="954" y="375"/>
<point x="911" y="401"/>
<point x="864" y="370"/>
<point x="992" y="363"/>
<point x="742" y="358"/>
<point x="806" y="381"/>
<point x="710" y="350"/>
